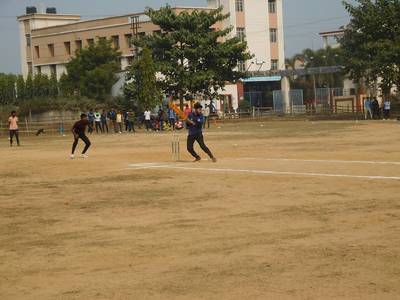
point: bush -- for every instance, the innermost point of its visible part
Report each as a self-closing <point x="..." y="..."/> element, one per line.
<point x="244" y="105"/>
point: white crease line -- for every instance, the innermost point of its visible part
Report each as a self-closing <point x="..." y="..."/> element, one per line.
<point x="324" y="161"/>
<point x="264" y="172"/>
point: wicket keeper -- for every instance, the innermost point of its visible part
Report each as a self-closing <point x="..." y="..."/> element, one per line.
<point x="195" y="123"/>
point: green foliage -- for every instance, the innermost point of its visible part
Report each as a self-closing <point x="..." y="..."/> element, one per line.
<point x="21" y="92"/>
<point x="244" y="105"/>
<point x="65" y="86"/>
<point x="92" y="71"/>
<point x="7" y="88"/>
<point x="29" y="87"/>
<point x="43" y="104"/>
<point x="192" y="57"/>
<point x="53" y="86"/>
<point x="371" y="43"/>
<point x="141" y="83"/>
<point x="320" y="58"/>
<point x="41" y="85"/>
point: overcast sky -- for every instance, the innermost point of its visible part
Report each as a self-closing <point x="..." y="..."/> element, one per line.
<point x="303" y="20"/>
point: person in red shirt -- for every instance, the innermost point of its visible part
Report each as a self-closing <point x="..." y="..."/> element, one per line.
<point x="78" y="130"/>
<point x="187" y="110"/>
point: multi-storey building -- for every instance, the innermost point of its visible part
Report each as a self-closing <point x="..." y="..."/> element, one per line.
<point x="48" y="41"/>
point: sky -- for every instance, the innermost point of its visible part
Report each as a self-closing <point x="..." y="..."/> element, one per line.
<point x="303" y="20"/>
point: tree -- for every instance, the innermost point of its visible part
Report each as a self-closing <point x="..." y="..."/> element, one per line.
<point x="142" y="82"/>
<point x="53" y="86"/>
<point x="21" y="92"/>
<point x="92" y="71"/>
<point x="192" y="57"/>
<point x="29" y="86"/>
<point x="41" y="85"/>
<point x="65" y="85"/>
<point x="7" y="88"/>
<point x="371" y="43"/>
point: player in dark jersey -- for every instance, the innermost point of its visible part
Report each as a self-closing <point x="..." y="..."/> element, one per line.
<point x="78" y="130"/>
<point x="195" y="123"/>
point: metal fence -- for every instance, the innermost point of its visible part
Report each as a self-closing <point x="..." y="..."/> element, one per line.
<point x="56" y="125"/>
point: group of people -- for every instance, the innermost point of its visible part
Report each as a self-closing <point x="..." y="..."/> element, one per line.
<point x="168" y="119"/>
<point x="103" y="122"/>
<point x="195" y="122"/>
<point x="373" y="110"/>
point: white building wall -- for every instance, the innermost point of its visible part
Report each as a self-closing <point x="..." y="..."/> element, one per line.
<point x="61" y="69"/>
<point x="231" y="89"/>
<point x="257" y="33"/>
<point x="281" y="35"/>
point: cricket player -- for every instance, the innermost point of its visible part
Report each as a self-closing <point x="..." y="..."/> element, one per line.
<point x="78" y="130"/>
<point x="195" y="123"/>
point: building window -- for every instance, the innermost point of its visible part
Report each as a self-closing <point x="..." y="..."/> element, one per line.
<point x="67" y="46"/>
<point x="37" y="51"/>
<point x="78" y="45"/>
<point x="130" y="60"/>
<point x="28" y="40"/>
<point x="239" y="5"/>
<point x="273" y="35"/>
<point x="128" y="40"/>
<point x="90" y="42"/>
<point x="274" y="65"/>
<point x="240" y="33"/>
<point x="30" y="69"/>
<point x="51" y="49"/>
<point x="53" y="70"/>
<point x="242" y="66"/>
<point x="115" y="41"/>
<point x="272" y="6"/>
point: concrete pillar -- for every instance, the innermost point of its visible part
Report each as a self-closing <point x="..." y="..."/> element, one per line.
<point x="325" y="42"/>
<point x="285" y="87"/>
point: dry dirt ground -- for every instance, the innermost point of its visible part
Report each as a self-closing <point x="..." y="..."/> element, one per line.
<point x="292" y="210"/>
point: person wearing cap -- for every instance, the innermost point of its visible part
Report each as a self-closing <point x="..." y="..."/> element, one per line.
<point x="195" y="123"/>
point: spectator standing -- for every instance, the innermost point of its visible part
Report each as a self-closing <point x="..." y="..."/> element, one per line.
<point x="386" y="108"/>
<point x="104" y="126"/>
<point x="97" y="121"/>
<point x="171" y="118"/>
<point x="90" y="117"/>
<point x="187" y="110"/>
<point x="375" y="109"/>
<point x="368" y="108"/>
<point x="125" y="117"/>
<point x="119" y="121"/>
<point x="112" y="115"/>
<point x="161" y="118"/>
<point x="147" y="119"/>
<point x="206" y="115"/>
<point x="13" y="128"/>
<point x="130" y="119"/>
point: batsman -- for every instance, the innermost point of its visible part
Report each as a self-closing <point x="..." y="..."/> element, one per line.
<point x="195" y="123"/>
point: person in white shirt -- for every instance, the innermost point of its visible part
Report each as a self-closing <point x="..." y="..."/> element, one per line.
<point x="97" y="121"/>
<point x="147" y="119"/>
<point x="386" y="109"/>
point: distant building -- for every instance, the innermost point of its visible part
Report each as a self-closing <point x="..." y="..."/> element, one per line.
<point x="331" y="38"/>
<point x="49" y="40"/>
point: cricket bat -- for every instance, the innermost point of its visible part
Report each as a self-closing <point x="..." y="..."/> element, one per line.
<point x="176" y="109"/>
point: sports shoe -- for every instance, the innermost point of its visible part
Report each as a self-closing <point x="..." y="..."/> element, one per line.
<point x="72" y="156"/>
<point x="84" y="156"/>
<point x="197" y="159"/>
<point x="214" y="160"/>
